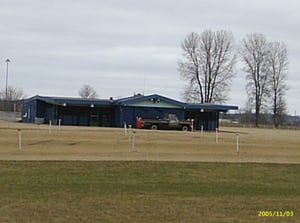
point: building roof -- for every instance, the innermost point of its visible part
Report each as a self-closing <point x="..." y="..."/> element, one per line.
<point x="153" y="100"/>
<point x="214" y="107"/>
<point x="63" y="101"/>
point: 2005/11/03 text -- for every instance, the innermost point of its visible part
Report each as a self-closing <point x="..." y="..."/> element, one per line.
<point x="275" y="214"/>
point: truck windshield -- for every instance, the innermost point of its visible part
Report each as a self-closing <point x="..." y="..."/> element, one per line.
<point x="171" y="117"/>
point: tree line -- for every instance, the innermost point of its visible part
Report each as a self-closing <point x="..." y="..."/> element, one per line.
<point x="208" y="65"/>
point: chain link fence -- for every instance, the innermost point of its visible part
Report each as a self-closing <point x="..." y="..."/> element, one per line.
<point x="10" y="116"/>
<point x="10" y="110"/>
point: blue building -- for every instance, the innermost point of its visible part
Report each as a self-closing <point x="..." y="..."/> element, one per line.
<point x="114" y="113"/>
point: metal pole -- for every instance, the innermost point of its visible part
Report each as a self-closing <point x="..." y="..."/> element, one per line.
<point x="7" y="61"/>
<point x="133" y="141"/>
<point x="125" y="129"/>
<point x="15" y="110"/>
<point x="50" y="126"/>
<point x="217" y="135"/>
<point x="130" y="132"/>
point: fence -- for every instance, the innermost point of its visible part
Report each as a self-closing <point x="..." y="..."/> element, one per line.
<point x="10" y="116"/>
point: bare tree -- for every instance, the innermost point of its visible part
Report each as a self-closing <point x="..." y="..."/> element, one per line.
<point x="278" y="62"/>
<point x="208" y="65"/>
<point x="254" y="53"/>
<point x="87" y="92"/>
<point x="13" y="95"/>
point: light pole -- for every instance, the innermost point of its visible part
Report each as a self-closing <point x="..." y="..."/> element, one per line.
<point x="6" y="61"/>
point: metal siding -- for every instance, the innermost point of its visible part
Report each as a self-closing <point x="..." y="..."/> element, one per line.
<point x="66" y="120"/>
<point x="209" y="120"/>
<point x="24" y="113"/>
<point x="128" y="115"/>
<point x="40" y="109"/>
<point x="105" y="116"/>
<point x="29" y="111"/>
<point x="118" y="122"/>
<point x="72" y="115"/>
<point x="33" y="111"/>
<point x="122" y="118"/>
<point x="49" y="114"/>
<point x="25" y="117"/>
<point x="83" y="120"/>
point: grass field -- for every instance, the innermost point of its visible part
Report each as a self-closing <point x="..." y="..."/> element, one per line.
<point x="82" y="143"/>
<point x="145" y="191"/>
<point x="79" y="174"/>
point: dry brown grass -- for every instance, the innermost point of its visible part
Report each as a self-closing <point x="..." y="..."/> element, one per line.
<point x="64" y="191"/>
<point x="92" y="143"/>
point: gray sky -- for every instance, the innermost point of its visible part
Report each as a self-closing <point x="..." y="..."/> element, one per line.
<point x="121" y="47"/>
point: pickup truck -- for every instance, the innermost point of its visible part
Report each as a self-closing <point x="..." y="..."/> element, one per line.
<point x="170" y="121"/>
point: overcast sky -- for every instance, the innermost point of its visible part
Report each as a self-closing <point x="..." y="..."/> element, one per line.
<point x="121" y="47"/>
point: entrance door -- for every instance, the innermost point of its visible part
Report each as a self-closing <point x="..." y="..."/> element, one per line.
<point x="94" y="119"/>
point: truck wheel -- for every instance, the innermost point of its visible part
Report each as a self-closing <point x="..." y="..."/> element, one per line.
<point x="185" y="128"/>
<point x="154" y="127"/>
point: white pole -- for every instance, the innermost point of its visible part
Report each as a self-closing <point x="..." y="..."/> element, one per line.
<point x="201" y="130"/>
<point x="133" y="142"/>
<point x="237" y="143"/>
<point x="20" y="139"/>
<point x="217" y="135"/>
<point x="130" y="132"/>
<point x="59" y="123"/>
<point x="50" y="126"/>
<point x="192" y="126"/>
<point x="37" y="132"/>
<point x="125" y="129"/>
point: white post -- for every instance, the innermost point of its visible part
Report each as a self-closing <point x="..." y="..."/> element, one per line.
<point x="37" y="132"/>
<point x="59" y="123"/>
<point x="50" y="126"/>
<point x="237" y="143"/>
<point x="217" y="135"/>
<point x="130" y="132"/>
<point x="125" y="129"/>
<point x="133" y="142"/>
<point x="20" y="139"/>
<point x="192" y="126"/>
<point x="201" y="130"/>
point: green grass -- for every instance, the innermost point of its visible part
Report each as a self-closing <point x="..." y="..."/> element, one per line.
<point x="67" y="191"/>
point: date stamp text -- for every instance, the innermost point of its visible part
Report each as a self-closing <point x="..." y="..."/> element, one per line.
<point x="275" y="213"/>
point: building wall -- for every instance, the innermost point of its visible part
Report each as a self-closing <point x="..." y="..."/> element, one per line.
<point x="209" y="119"/>
<point x="29" y="111"/>
<point x="113" y="115"/>
<point x="86" y="116"/>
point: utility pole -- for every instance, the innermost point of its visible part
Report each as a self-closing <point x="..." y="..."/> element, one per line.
<point x="7" y="61"/>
